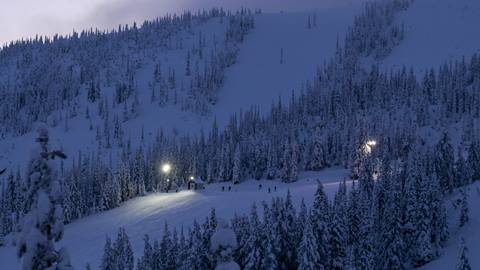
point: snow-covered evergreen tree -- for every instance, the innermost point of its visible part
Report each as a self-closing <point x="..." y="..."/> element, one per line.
<point x="123" y="253"/>
<point x="108" y="257"/>
<point x="338" y="231"/>
<point x="464" y="211"/>
<point x="223" y="242"/>
<point x="42" y="224"/>
<point x="236" y="166"/>
<point x="444" y="163"/>
<point x="463" y="262"/>
<point x="253" y="246"/>
<point x="320" y="219"/>
<point x="308" y="257"/>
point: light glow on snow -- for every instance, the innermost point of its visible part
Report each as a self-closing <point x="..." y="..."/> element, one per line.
<point x="85" y="238"/>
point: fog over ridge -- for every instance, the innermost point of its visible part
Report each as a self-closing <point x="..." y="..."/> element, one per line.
<point x="27" y="18"/>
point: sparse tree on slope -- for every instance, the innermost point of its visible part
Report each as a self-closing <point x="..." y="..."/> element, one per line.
<point x="108" y="258"/>
<point x="464" y="216"/>
<point x="463" y="263"/>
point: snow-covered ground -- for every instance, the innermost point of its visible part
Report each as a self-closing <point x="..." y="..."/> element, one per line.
<point x="85" y="238"/>
<point x="437" y="31"/>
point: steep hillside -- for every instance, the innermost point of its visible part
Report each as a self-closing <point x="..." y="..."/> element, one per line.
<point x="436" y="31"/>
<point x="411" y="140"/>
<point x="256" y="78"/>
<point x="260" y="77"/>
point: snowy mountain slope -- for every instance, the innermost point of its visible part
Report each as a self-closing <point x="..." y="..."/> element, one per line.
<point x="75" y="133"/>
<point x="135" y="127"/>
<point x="436" y="31"/>
<point x="470" y="233"/>
<point x="257" y="79"/>
<point x="85" y="238"/>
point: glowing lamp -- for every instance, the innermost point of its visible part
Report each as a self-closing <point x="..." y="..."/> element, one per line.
<point x="369" y="145"/>
<point x="372" y="143"/>
<point x="166" y="168"/>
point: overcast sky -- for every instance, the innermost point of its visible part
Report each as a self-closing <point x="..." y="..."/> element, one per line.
<point x="26" y="18"/>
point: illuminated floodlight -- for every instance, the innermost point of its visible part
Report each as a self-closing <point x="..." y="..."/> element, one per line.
<point x="191" y="178"/>
<point x="369" y="145"/>
<point x="166" y="168"/>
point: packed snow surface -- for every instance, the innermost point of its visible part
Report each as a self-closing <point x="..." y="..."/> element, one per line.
<point x="85" y="238"/>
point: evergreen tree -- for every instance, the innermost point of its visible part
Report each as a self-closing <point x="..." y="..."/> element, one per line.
<point x="444" y="163"/>
<point x="473" y="161"/>
<point x="254" y="243"/>
<point x="146" y="261"/>
<point x="320" y="218"/>
<point x="317" y="156"/>
<point x="391" y="249"/>
<point x="241" y="227"/>
<point x="461" y="170"/>
<point x="42" y="225"/>
<point x="308" y="257"/>
<point x="108" y="258"/>
<point x="462" y="262"/>
<point x="422" y="249"/>
<point x="236" y="166"/>
<point x="289" y="221"/>
<point x="223" y="242"/>
<point x="439" y="215"/>
<point x="358" y="155"/>
<point x="464" y="212"/>
<point x="269" y="261"/>
<point x="166" y="256"/>
<point x="338" y="231"/>
<point x="197" y="256"/>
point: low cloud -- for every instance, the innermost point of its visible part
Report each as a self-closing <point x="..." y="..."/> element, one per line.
<point x="26" y="18"/>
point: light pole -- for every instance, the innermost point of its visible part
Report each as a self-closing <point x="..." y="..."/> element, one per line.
<point x="166" y="168"/>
